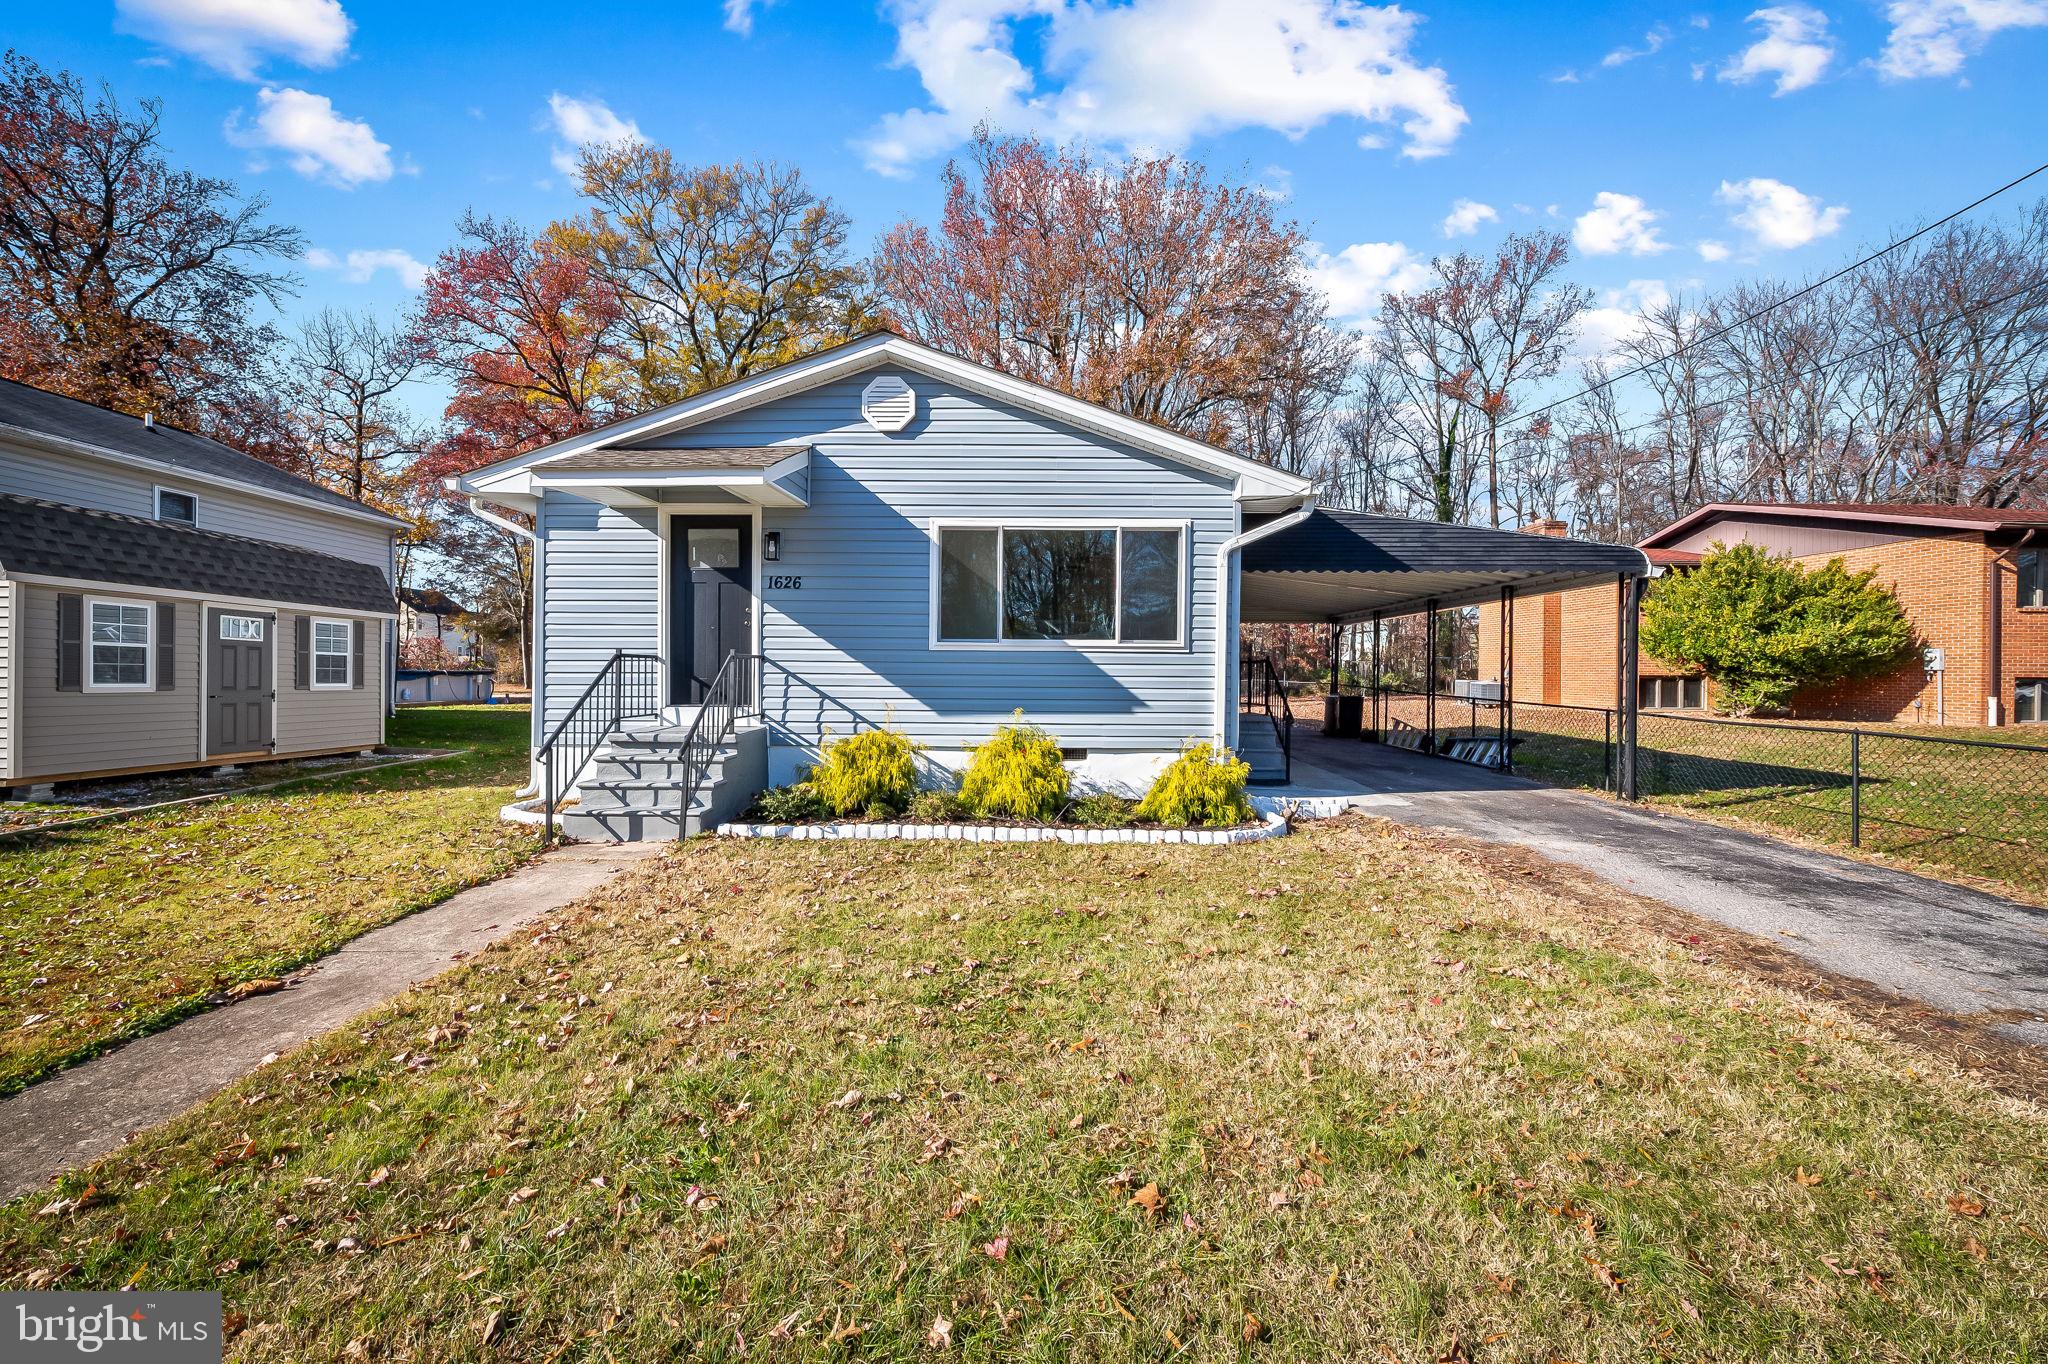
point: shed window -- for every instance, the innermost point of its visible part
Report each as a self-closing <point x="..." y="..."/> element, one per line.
<point x="332" y="645"/>
<point x="119" y="637"/>
<point x="1058" y="584"/>
<point x="2033" y="566"/>
<point x="2030" y="701"/>
<point x="180" y="508"/>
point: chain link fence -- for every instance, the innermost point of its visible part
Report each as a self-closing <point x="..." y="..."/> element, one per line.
<point x="1976" y="806"/>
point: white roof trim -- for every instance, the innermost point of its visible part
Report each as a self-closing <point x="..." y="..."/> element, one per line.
<point x="1250" y="478"/>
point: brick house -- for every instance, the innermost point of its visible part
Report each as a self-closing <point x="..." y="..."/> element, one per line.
<point x="1973" y="580"/>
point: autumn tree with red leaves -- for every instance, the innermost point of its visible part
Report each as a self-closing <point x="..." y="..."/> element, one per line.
<point x="125" y="281"/>
<point x="1141" y="285"/>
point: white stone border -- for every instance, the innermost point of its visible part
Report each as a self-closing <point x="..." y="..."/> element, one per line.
<point x="1272" y="824"/>
<point x="523" y="812"/>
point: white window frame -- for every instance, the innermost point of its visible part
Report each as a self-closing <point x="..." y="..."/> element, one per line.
<point x="262" y="627"/>
<point x="1184" y="598"/>
<point x="148" y="609"/>
<point x="314" y="653"/>
<point x="157" y="501"/>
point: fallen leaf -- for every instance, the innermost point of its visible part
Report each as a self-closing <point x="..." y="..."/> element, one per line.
<point x="1970" y="1244"/>
<point x="1607" y="1277"/>
<point x="1962" y="1205"/>
<point x="1254" y="1329"/>
<point x="248" y="988"/>
<point x="998" y="1249"/>
<point x="1806" y="1180"/>
<point x="491" y="1325"/>
<point x="939" y="1335"/>
<point x="1149" y="1198"/>
<point x="377" y="1177"/>
<point x="847" y="1100"/>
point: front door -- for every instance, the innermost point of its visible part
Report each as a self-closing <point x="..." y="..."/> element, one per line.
<point x="238" y="681"/>
<point x="711" y="600"/>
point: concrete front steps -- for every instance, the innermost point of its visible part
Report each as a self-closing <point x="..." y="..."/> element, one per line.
<point x="632" y="792"/>
<point x="1258" y="745"/>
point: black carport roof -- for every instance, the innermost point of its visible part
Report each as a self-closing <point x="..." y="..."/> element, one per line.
<point x="1345" y="565"/>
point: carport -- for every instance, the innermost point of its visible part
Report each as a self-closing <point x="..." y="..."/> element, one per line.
<point x="1333" y="568"/>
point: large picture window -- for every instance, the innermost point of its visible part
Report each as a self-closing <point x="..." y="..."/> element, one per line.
<point x="118" y="637"/>
<point x="1050" y="584"/>
<point x="332" y="645"/>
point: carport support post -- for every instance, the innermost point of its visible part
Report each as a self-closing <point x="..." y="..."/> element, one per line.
<point x="1631" y="611"/>
<point x="1429" y="671"/>
<point x="1375" y="680"/>
<point x="1505" y="711"/>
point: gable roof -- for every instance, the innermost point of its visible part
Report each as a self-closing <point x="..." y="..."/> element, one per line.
<point x="694" y="457"/>
<point x="432" y="601"/>
<point x="1252" y="478"/>
<point x="35" y="412"/>
<point x="53" y="540"/>
<point x="1933" y="515"/>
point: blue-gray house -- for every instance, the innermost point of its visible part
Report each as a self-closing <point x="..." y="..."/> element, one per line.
<point x="881" y="533"/>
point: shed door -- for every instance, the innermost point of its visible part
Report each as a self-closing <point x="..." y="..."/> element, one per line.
<point x="711" y="600"/>
<point x="239" y="698"/>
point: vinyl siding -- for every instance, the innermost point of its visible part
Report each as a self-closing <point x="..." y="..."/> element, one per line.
<point x="86" y="731"/>
<point x="851" y="647"/>
<point x="310" y="720"/>
<point x="81" y="482"/>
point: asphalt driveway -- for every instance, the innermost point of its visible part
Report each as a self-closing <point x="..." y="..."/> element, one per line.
<point x="1957" y="950"/>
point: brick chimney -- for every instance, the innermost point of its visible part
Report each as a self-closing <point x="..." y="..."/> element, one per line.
<point x="1545" y="526"/>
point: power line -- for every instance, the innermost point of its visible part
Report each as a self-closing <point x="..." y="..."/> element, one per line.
<point x="1724" y="400"/>
<point x="1822" y="283"/>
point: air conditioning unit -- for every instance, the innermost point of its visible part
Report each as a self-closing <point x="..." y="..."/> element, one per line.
<point x="1472" y="690"/>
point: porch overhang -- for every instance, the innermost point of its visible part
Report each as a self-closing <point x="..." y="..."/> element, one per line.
<point x="1343" y="566"/>
<point x="762" y="476"/>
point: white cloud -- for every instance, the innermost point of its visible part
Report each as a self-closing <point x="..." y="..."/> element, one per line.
<point x="1357" y="277"/>
<point x="1158" y="73"/>
<point x="584" y="123"/>
<point x="1935" y="37"/>
<point x="1465" y="217"/>
<point x="1617" y="223"/>
<point x="1795" y="47"/>
<point x="236" y="35"/>
<point x="358" y="267"/>
<point x="739" y="15"/>
<point x="1652" y="42"/>
<point x="321" y="144"/>
<point x="1777" y="215"/>
<point x="1602" y="329"/>
<point x="1713" y="250"/>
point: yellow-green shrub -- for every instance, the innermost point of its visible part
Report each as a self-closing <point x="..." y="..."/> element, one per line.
<point x="1199" y="787"/>
<point x="875" y="769"/>
<point x="1017" y="773"/>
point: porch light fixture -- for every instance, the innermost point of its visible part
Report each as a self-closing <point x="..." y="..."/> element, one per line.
<point x="771" y="546"/>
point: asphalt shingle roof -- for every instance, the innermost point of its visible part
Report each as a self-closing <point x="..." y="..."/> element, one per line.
<point x="53" y="414"/>
<point x="53" y="540"/>
<point x="661" y="461"/>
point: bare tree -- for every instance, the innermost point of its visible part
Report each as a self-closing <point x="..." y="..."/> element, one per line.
<point x="348" y="369"/>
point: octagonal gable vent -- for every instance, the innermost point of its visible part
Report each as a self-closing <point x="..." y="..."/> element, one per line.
<point x="888" y="403"/>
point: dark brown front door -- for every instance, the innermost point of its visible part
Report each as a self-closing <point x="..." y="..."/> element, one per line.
<point x="239" y="697"/>
<point x="711" y="600"/>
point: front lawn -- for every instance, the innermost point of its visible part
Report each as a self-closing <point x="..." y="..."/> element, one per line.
<point x="1346" y="1095"/>
<point x="117" y="928"/>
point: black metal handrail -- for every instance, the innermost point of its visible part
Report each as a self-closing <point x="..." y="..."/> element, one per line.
<point x="1257" y="675"/>
<point x="734" y="695"/>
<point x="627" y="687"/>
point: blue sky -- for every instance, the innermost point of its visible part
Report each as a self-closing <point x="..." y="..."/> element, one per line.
<point x="1680" y="146"/>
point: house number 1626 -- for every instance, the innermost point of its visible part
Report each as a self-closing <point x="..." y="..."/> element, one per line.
<point x="793" y="582"/>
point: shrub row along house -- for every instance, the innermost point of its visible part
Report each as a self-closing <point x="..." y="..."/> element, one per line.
<point x="168" y="602"/>
<point x="1972" y="580"/>
<point x="884" y="534"/>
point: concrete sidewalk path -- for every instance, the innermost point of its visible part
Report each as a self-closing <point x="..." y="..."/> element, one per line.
<point x="80" y="1114"/>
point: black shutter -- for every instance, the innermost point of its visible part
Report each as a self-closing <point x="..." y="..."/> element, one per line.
<point x="70" y="642"/>
<point x="166" y="646"/>
<point x="356" y="666"/>
<point x="302" y="653"/>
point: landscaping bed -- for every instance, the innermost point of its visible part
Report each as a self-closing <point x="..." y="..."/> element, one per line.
<point x="1356" y="1094"/>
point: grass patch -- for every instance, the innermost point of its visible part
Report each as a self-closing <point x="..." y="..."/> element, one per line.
<point x="1345" y="1095"/>
<point x="118" y="928"/>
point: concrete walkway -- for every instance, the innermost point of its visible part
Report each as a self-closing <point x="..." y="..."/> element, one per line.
<point x="83" y="1113"/>
<point x="1961" y="951"/>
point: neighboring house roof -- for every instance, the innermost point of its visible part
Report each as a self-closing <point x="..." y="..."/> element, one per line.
<point x="35" y="411"/>
<point x="1673" y="558"/>
<point x="1933" y="515"/>
<point x="432" y="601"/>
<point x="51" y="540"/>
<point x="1253" y="479"/>
<point x="707" y="457"/>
